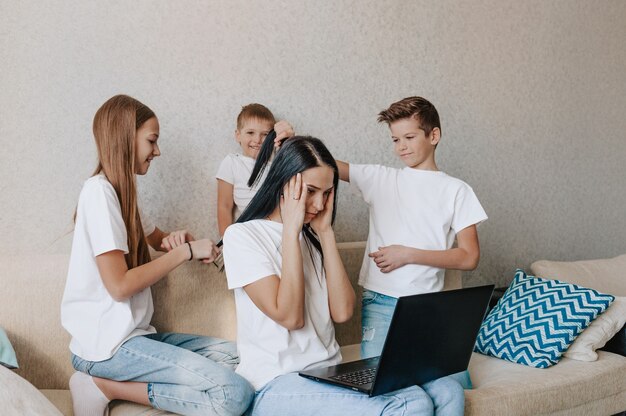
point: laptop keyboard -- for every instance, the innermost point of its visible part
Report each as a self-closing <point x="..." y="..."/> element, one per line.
<point x="358" y="378"/>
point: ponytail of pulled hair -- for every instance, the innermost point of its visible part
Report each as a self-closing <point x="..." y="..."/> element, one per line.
<point x="263" y="158"/>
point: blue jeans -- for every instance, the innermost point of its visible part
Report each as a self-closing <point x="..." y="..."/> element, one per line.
<point x="294" y="395"/>
<point x="377" y="309"/>
<point x="186" y="374"/>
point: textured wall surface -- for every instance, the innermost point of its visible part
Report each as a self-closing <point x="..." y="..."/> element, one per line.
<point x="532" y="97"/>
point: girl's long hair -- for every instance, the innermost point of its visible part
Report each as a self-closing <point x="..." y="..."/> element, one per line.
<point x="114" y="128"/>
<point x="296" y="155"/>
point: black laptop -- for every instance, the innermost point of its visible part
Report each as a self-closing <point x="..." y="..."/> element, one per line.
<point x="430" y="336"/>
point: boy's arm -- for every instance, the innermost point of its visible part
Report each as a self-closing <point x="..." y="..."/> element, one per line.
<point x="463" y="257"/>
<point x="344" y="170"/>
<point x="225" y="204"/>
<point x="287" y="131"/>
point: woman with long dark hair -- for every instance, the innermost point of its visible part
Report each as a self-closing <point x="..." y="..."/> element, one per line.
<point x="290" y="285"/>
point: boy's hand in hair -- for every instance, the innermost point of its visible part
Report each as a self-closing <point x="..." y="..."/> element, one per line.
<point x="283" y="130"/>
<point x="175" y="239"/>
<point x="391" y="257"/>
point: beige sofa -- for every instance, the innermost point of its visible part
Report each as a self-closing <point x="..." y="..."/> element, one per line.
<point x="195" y="299"/>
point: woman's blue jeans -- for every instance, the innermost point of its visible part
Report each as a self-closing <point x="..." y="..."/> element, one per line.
<point x="292" y="395"/>
<point x="186" y="374"/>
<point x="377" y="309"/>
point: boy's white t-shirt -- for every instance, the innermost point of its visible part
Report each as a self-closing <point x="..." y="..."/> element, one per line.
<point x="414" y="208"/>
<point x="97" y="323"/>
<point x="252" y="251"/>
<point x="236" y="170"/>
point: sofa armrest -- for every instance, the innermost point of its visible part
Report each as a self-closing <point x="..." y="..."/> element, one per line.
<point x="617" y="344"/>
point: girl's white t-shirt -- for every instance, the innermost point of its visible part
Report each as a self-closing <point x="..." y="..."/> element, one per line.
<point x="414" y="208"/>
<point x="97" y="323"/>
<point x="252" y="251"/>
<point x="236" y="170"/>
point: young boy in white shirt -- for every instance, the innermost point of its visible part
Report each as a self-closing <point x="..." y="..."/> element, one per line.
<point x="254" y="122"/>
<point x="415" y="214"/>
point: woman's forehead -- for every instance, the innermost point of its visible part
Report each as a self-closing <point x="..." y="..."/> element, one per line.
<point x="320" y="176"/>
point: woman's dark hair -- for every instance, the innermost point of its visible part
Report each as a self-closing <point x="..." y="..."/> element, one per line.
<point x="263" y="158"/>
<point x="296" y="155"/>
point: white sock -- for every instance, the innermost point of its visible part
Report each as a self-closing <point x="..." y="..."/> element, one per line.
<point x="87" y="398"/>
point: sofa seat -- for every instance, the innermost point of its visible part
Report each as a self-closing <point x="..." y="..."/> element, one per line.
<point x="62" y="400"/>
<point x="569" y="388"/>
<point x="193" y="293"/>
<point x="500" y="387"/>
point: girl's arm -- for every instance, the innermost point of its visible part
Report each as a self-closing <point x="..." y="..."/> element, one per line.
<point x="282" y="299"/>
<point x="162" y="241"/>
<point x="122" y="283"/>
<point x="225" y="204"/>
<point x="463" y="257"/>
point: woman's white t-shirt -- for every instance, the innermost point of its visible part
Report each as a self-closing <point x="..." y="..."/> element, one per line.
<point x="97" y="323"/>
<point x="414" y="208"/>
<point x="236" y="169"/>
<point x="252" y="251"/>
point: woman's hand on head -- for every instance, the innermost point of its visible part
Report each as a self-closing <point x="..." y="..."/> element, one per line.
<point x="204" y="250"/>
<point x="324" y="219"/>
<point x="175" y="239"/>
<point x="293" y="204"/>
<point x="283" y="130"/>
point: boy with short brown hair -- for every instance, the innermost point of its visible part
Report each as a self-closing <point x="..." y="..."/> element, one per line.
<point x="415" y="215"/>
<point x="254" y="122"/>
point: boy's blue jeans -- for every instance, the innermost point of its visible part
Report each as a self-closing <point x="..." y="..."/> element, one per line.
<point x="186" y="374"/>
<point x="377" y="309"/>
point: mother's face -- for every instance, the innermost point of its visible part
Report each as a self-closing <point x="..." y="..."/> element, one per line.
<point x="319" y="183"/>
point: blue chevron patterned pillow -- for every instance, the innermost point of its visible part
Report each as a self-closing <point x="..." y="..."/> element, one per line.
<point x="537" y="319"/>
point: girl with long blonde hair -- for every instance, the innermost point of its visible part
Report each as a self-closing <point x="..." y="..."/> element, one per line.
<point x="107" y="303"/>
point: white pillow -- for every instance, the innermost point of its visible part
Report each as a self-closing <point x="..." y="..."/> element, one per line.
<point x="601" y="330"/>
<point x="19" y="397"/>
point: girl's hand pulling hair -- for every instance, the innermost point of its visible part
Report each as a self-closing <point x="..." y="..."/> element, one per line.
<point x="175" y="239"/>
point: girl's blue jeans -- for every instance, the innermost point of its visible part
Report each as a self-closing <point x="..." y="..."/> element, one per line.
<point x="377" y="309"/>
<point x="186" y="374"/>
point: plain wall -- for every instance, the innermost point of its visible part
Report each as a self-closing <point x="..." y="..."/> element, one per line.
<point x="532" y="97"/>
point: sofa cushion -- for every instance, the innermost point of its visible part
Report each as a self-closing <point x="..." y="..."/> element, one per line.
<point x="19" y="397"/>
<point x="604" y="275"/>
<point x="599" y="332"/>
<point x="537" y="319"/>
<point x="61" y="399"/>
<point x="569" y="388"/>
